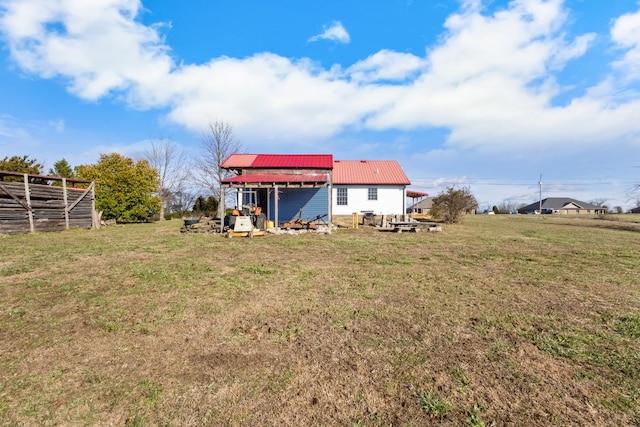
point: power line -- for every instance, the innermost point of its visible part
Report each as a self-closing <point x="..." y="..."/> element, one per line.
<point x="439" y="182"/>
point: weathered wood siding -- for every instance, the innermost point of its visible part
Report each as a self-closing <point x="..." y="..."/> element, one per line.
<point x="27" y="207"/>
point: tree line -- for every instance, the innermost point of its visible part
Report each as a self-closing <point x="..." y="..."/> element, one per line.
<point x="162" y="183"/>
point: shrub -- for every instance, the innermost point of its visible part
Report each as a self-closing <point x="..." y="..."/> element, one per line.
<point x="451" y="205"/>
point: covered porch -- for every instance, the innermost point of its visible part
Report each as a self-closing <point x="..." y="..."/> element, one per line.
<point x="283" y="197"/>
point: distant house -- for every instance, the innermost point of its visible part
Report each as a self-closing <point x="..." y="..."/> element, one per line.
<point x="562" y="206"/>
<point x="282" y="184"/>
<point x="635" y="210"/>
<point x="421" y="207"/>
<point x="376" y="186"/>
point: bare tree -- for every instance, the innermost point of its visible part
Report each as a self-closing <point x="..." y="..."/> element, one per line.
<point x="600" y="202"/>
<point x="182" y="201"/>
<point x="217" y="143"/>
<point x="507" y="207"/>
<point x="452" y="204"/>
<point x="169" y="160"/>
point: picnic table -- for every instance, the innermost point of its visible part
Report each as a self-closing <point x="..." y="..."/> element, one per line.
<point x="400" y="226"/>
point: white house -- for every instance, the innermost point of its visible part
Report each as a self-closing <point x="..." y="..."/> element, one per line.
<point x="376" y="186"/>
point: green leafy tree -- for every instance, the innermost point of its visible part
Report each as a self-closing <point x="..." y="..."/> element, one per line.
<point x="63" y="169"/>
<point x="125" y="190"/>
<point x="212" y="206"/>
<point x="207" y="206"/>
<point x="200" y="205"/>
<point x="22" y="164"/>
<point x="451" y="205"/>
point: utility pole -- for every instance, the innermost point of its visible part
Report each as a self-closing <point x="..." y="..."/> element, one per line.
<point x="540" y="199"/>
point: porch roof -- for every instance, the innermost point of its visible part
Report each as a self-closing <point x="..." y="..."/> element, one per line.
<point x="270" y="179"/>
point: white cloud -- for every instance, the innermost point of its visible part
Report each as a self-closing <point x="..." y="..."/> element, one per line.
<point x="491" y="79"/>
<point x="57" y="125"/>
<point x="626" y="33"/>
<point x="97" y="45"/>
<point x="386" y="65"/>
<point x="20" y="137"/>
<point x="334" y="31"/>
<point x="10" y="130"/>
<point x="291" y="99"/>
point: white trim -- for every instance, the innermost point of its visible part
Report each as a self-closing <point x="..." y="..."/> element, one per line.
<point x="391" y="199"/>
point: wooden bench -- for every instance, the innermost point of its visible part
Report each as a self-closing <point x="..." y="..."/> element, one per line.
<point x="400" y="226"/>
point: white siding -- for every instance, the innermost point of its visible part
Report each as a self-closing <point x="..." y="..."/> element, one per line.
<point x="391" y="200"/>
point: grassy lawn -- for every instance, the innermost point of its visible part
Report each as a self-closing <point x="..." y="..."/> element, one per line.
<point x="502" y="320"/>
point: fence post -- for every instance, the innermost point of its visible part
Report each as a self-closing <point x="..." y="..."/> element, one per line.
<point x="27" y="196"/>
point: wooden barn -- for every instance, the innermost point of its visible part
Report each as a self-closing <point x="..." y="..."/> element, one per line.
<point x="30" y="203"/>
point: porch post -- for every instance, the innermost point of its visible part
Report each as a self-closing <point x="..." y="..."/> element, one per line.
<point x="222" y="209"/>
<point x="275" y="201"/>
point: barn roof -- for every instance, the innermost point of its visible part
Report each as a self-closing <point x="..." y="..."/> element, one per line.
<point x="365" y="172"/>
<point x="276" y="161"/>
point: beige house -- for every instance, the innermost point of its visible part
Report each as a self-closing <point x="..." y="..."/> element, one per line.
<point x="421" y="207"/>
<point x="562" y="206"/>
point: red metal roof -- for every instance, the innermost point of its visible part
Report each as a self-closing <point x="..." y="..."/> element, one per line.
<point x="369" y="172"/>
<point x="278" y="178"/>
<point x="239" y="161"/>
<point x="300" y="161"/>
<point x="416" y="194"/>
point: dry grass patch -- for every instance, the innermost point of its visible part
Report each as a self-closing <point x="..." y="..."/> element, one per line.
<point x="498" y="321"/>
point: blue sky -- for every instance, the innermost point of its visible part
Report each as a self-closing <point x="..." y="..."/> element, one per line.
<point x="484" y="93"/>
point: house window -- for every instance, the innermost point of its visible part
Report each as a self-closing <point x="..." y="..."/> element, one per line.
<point x="373" y="194"/>
<point x="342" y="197"/>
